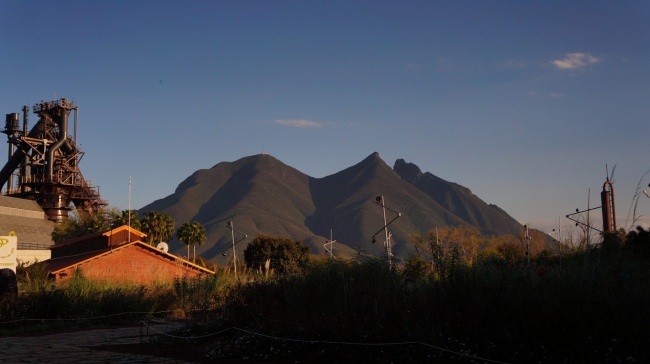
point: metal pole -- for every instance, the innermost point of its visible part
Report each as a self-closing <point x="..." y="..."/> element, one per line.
<point x="76" y="119"/>
<point x="234" y="253"/>
<point x="588" y="222"/>
<point x="23" y="166"/>
<point x="559" y="233"/>
<point x="527" y="245"/>
<point x="129" y="211"/>
<point x="380" y="200"/>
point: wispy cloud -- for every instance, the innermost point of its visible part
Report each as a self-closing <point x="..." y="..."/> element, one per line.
<point x="551" y="94"/>
<point x="574" y="61"/>
<point x="299" y="123"/>
<point x="514" y="64"/>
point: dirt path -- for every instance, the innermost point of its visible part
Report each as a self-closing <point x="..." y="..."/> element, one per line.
<point x="88" y="346"/>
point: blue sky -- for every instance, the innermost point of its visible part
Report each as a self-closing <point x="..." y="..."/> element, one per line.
<point x="525" y="103"/>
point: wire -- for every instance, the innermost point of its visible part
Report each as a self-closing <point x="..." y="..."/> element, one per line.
<point x="85" y="318"/>
<point x="327" y="342"/>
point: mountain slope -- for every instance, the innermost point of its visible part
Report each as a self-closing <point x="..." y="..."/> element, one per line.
<point x="262" y="195"/>
<point x="346" y="200"/>
<point x="274" y="197"/>
<point x="459" y="200"/>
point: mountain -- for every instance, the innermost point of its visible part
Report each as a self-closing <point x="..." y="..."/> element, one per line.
<point x="459" y="200"/>
<point x="262" y="195"/>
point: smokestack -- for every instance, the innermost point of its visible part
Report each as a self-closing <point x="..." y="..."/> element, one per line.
<point x="11" y="128"/>
<point x="609" y="210"/>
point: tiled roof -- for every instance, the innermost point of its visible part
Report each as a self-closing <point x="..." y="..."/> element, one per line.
<point x="136" y="236"/>
<point x="56" y="265"/>
<point x="9" y="203"/>
<point x="27" y="220"/>
<point x="28" y="230"/>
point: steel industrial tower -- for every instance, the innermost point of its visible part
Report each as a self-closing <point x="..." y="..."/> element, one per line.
<point x="43" y="165"/>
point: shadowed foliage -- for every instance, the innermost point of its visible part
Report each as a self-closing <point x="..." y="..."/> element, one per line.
<point x="281" y="255"/>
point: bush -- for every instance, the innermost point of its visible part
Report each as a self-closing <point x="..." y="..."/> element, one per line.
<point x="282" y="255"/>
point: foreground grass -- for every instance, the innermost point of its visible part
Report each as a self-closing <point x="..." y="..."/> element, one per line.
<point x="582" y="308"/>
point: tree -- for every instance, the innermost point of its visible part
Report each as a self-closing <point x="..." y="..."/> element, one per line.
<point x="158" y="226"/>
<point x="80" y="223"/>
<point x="463" y="241"/>
<point x="285" y="255"/>
<point x="466" y="239"/>
<point x="122" y="218"/>
<point x="191" y="233"/>
<point x="415" y="268"/>
<point x="637" y="242"/>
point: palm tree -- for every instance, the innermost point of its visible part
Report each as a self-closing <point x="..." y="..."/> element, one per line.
<point x="191" y="233"/>
<point x="122" y="218"/>
<point x="167" y="227"/>
<point x="158" y="226"/>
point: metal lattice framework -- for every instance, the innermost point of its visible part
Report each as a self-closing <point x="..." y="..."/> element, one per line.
<point x="43" y="165"/>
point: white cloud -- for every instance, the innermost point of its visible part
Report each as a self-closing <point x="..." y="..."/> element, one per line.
<point x="514" y="64"/>
<point x="299" y="123"/>
<point x="575" y="61"/>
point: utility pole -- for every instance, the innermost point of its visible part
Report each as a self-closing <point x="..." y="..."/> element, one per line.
<point x="129" y="212"/>
<point x="231" y="226"/>
<point x="331" y="244"/>
<point x="380" y="200"/>
<point x="527" y="239"/>
<point x="587" y="225"/>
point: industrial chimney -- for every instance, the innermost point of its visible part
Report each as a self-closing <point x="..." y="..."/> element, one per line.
<point x="609" y="211"/>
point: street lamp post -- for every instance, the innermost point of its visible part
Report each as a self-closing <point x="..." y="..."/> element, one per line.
<point x="234" y="251"/>
<point x="380" y="200"/>
<point x="527" y="238"/>
<point x="587" y="225"/>
<point x="331" y="244"/>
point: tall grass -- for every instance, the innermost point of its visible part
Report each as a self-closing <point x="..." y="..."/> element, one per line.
<point x="588" y="308"/>
<point x="79" y="302"/>
<point x="585" y="307"/>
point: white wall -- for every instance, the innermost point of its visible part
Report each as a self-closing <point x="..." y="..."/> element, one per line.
<point x="31" y="256"/>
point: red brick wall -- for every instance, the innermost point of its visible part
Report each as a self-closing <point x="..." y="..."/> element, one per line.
<point x="133" y="265"/>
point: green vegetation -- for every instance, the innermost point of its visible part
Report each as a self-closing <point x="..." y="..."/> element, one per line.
<point x="81" y="223"/>
<point x="158" y="226"/>
<point x="581" y="306"/>
<point x="191" y="233"/>
<point x="282" y="255"/>
<point x="126" y="217"/>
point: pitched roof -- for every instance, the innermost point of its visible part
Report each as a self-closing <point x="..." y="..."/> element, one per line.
<point x="27" y="220"/>
<point x="9" y="205"/>
<point x="56" y="265"/>
<point x="136" y="235"/>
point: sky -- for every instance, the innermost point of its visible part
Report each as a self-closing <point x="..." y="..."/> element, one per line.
<point x="529" y="104"/>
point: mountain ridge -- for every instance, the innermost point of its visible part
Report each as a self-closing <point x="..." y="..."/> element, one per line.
<point x="262" y="195"/>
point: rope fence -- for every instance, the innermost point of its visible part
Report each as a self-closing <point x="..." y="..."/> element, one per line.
<point x="84" y="318"/>
<point x="149" y="327"/>
<point x="324" y="342"/>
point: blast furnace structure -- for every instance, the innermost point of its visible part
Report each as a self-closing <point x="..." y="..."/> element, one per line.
<point x="43" y="165"/>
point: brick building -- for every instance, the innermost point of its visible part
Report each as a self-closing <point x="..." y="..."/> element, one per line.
<point x="118" y="255"/>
